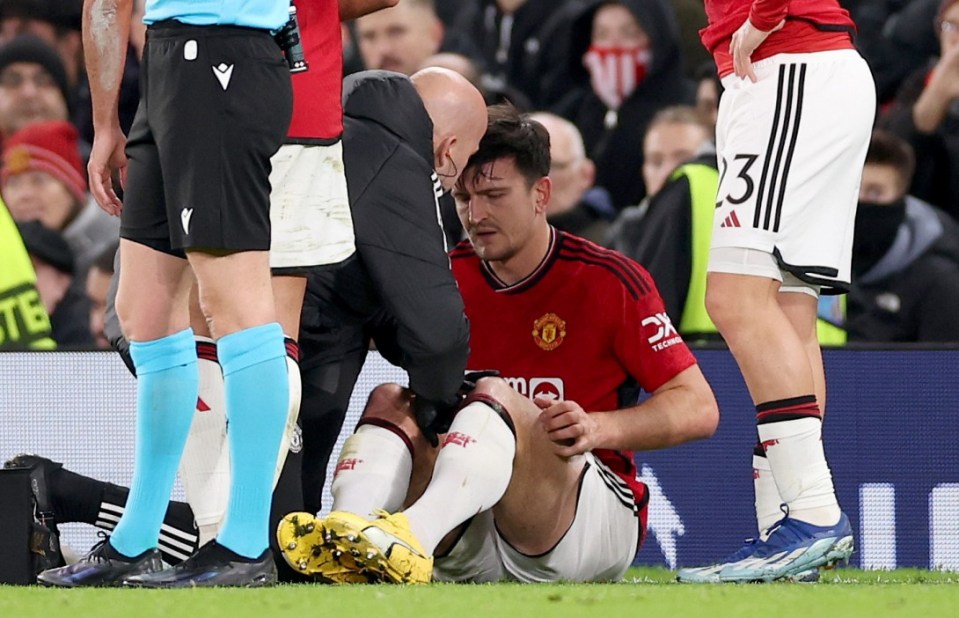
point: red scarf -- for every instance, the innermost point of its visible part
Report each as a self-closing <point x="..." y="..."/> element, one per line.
<point x="615" y="72"/>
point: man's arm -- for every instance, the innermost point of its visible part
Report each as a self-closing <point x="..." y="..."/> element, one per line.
<point x="351" y="9"/>
<point x="765" y="17"/>
<point x="106" y="31"/>
<point x="401" y="244"/>
<point x="681" y="410"/>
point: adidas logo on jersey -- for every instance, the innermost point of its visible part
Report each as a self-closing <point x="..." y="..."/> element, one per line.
<point x="731" y="220"/>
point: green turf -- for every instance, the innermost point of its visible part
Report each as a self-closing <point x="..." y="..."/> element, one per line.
<point x="647" y="592"/>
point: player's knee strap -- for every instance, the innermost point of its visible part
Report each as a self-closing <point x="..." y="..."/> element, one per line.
<point x="495" y="405"/>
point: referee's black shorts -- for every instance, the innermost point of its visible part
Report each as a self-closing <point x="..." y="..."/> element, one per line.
<point x="215" y="106"/>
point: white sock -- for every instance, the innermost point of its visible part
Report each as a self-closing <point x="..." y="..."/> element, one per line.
<point x="471" y="474"/>
<point x="768" y="499"/>
<point x="796" y="457"/>
<point x="372" y="472"/>
<point x="296" y="394"/>
<point x="205" y="465"/>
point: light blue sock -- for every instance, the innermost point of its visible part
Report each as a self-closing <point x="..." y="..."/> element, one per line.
<point x="167" y="384"/>
<point x="254" y="377"/>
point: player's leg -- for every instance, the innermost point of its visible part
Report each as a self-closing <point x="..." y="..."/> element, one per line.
<point x="332" y="365"/>
<point x="74" y="498"/>
<point x="387" y="463"/>
<point x="215" y="144"/>
<point x="794" y="298"/>
<point x="151" y="303"/>
<point x="373" y="472"/>
<point x="311" y="226"/>
<point x="796" y="208"/>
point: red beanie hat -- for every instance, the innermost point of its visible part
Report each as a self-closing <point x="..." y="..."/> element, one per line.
<point x="49" y="147"/>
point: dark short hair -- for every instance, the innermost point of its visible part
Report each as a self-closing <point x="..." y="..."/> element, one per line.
<point x="512" y="135"/>
<point x="886" y="148"/>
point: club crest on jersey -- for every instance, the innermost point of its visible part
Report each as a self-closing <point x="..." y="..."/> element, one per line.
<point x="549" y="331"/>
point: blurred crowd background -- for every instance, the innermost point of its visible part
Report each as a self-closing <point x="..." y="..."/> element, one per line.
<point x="629" y="97"/>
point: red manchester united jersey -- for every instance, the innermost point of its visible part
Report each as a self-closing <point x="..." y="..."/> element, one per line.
<point x="588" y="326"/>
<point x="811" y="25"/>
<point x="317" y="93"/>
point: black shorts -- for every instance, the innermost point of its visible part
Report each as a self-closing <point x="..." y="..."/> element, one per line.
<point x="215" y="105"/>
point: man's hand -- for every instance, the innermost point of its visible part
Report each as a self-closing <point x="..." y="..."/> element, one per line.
<point x="572" y="429"/>
<point x="743" y="44"/>
<point x="434" y="417"/>
<point x="107" y="156"/>
<point x="945" y="75"/>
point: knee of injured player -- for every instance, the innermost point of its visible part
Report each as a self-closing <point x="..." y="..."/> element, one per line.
<point x="390" y="405"/>
<point x="496" y="393"/>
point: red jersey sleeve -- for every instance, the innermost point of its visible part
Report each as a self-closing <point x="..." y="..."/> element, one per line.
<point x="648" y="344"/>
<point x="766" y="14"/>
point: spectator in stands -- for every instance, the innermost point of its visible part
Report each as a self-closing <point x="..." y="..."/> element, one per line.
<point x="669" y="233"/>
<point x="402" y="37"/>
<point x="57" y="23"/>
<point x="67" y="306"/>
<point x="33" y="84"/>
<point x="42" y="178"/>
<point x="926" y="114"/>
<point x="895" y="38"/>
<point x="638" y="38"/>
<point x="576" y="205"/>
<point x="523" y="44"/>
<point x="708" y="90"/>
<point x="98" y="289"/>
<point x="905" y="259"/>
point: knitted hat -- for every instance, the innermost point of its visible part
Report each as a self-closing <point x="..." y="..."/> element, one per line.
<point x="32" y="49"/>
<point x="47" y="245"/>
<point x="49" y="147"/>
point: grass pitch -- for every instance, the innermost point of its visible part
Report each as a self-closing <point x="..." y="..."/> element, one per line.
<point x="646" y="592"/>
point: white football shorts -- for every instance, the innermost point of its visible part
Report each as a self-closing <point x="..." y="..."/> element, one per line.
<point x="791" y="149"/>
<point x="309" y="208"/>
<point x="598" y="547"/>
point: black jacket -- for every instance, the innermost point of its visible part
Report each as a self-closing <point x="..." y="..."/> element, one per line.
<point x="911" y="294"/>
<point x="398" y="285"/>
<point x="614" y="141"/>
<point x="659" y="236"/>
<point x="524" y="51"/>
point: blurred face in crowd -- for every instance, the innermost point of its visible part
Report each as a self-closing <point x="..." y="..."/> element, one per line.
<point x="881" y="184"/>
<point x="399" y="38"/>
<point x="949" y="29"/>
<point x="615" y="26"/>
<point x="13" y="26"/>
<point x="28" y="93"/>
<point x="707" y="99"/>
<point x="38" y="196"/>
<point x="51" y="284"/>
<point x="666" y="147"/>
<point x="571" y="173"/>
<point x="98" y="284"/>
<point x="499" y="209"/>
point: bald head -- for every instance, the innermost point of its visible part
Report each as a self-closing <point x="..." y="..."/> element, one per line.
<point x="571" y="172"/>
<point x="458" y="112"/>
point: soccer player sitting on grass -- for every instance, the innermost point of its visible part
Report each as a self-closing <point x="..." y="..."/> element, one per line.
<point x="536" y="482"/>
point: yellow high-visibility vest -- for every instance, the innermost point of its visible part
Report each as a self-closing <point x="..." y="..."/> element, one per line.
<point x="703" y="181"/>
<point x="24" y="323"/>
